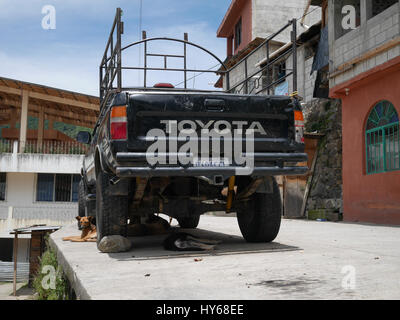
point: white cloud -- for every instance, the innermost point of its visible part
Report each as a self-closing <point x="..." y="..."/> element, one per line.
<point x="56" y="72"/>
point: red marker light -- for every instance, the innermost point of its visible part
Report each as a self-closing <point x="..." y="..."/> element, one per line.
<point x="164" y="85"/>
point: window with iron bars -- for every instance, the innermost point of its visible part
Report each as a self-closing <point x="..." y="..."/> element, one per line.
<point x="382" y="139"/>
<point x="3" y="181"/>
<point x="57" y="187"/>
<point x="238" y="34"/>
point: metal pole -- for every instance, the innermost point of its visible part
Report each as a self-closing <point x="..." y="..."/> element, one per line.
<point x="118" y="47"/>
<point x="101" y="84"/>
<point x="144" y="36"/>
<point x="267" y="70"/>
<point x="246" y="87"/>
<point x="294" y="39"/>
<point x="186" y="38"/>
<point x="15" y="263"/>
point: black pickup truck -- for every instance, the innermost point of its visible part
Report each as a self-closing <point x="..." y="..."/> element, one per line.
<point x="185" y="152"/>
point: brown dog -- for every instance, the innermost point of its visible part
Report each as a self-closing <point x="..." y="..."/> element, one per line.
<point x="89" y="232"/>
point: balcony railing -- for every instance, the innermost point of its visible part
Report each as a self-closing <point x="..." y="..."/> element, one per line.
<point x="46" y="147"/>
<point x="6" y="146"/>
<point x="55" y="147"/>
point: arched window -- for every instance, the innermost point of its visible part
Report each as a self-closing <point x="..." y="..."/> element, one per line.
<point x="382" y="139"/>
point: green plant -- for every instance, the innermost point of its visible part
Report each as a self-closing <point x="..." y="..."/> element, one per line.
<point x="42" y="281"/>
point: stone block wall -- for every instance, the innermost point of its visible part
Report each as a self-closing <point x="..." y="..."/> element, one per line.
<point x="324" y="116"/>
<point x="371" y="34"/>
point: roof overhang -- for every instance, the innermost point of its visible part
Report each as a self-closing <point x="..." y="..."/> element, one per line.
<point x="225" y="28"/>
<point x="59" y="105"/>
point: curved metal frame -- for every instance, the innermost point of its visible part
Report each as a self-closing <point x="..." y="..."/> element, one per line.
<point x="185" y="42"/>
<point x="111" y="64"/>
<point x="177" y="40"/>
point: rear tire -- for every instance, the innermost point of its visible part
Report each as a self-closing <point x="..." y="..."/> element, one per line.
<point x="111" y="211"/>
<point x="189" y="222"/>
<point x="260" y="219"/>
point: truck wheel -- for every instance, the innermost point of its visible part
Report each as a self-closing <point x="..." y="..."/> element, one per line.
<point x="189" y="222"/>
<point x="111" y="211"/>
<point x="260" y="219"/>
<point x="81" y="199"/>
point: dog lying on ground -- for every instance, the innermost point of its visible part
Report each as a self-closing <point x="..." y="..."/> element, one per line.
<point x="180" y="241"/>
<point x="89" y="232"/>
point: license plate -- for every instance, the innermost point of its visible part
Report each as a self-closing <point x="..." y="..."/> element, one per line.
<point x="207" y="163"/>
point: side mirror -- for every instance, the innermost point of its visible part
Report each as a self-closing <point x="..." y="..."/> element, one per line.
<point x="84" y="137"/>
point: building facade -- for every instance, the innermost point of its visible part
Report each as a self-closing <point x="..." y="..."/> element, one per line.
<point x="246" y="20"/>
<point x="257" y="20"/>
<point x="40" y="162"/>
<point x="364" y="72"/>
<point x="267" y="62"/>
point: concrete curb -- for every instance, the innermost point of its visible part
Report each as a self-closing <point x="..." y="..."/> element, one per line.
<point x="80" y="291"/>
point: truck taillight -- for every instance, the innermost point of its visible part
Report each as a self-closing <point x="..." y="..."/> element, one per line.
<point x="118" y="123"/>
<point x="299" y="126"/>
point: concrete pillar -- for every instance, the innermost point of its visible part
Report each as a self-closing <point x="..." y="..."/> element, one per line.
<point x="331" y="36"/>
<point x="40" y="127"/>
<point x="24" y="120"/>
<point x="366" y="8"/>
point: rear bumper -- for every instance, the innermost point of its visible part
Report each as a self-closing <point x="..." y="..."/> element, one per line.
<point x="131" y="165"/>
<point x="124" y="157"/>
<point x="125" y="172"/>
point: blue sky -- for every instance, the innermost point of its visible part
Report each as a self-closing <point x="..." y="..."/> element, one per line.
<point x="68" y="57"/>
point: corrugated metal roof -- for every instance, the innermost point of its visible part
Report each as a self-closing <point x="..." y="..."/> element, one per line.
<point x="7" y="271"/>
<point x="34" y="228"/>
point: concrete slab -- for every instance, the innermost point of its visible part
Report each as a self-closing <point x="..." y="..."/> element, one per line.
<point x="308" y="260"/>
<point x="23" y="291"/>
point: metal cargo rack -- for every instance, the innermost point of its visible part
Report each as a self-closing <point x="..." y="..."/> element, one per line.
<point x="111" y="66"/>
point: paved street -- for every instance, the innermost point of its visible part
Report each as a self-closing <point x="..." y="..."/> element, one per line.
<point x="305" y="262"/>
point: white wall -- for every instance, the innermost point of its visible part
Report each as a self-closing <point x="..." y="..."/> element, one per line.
<point x="305" y="80"/>
<point x="20" y="209"/>
<point x="271" y="15"/>
<point x="41" y="163"/>
<point x="20" y="189"/>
